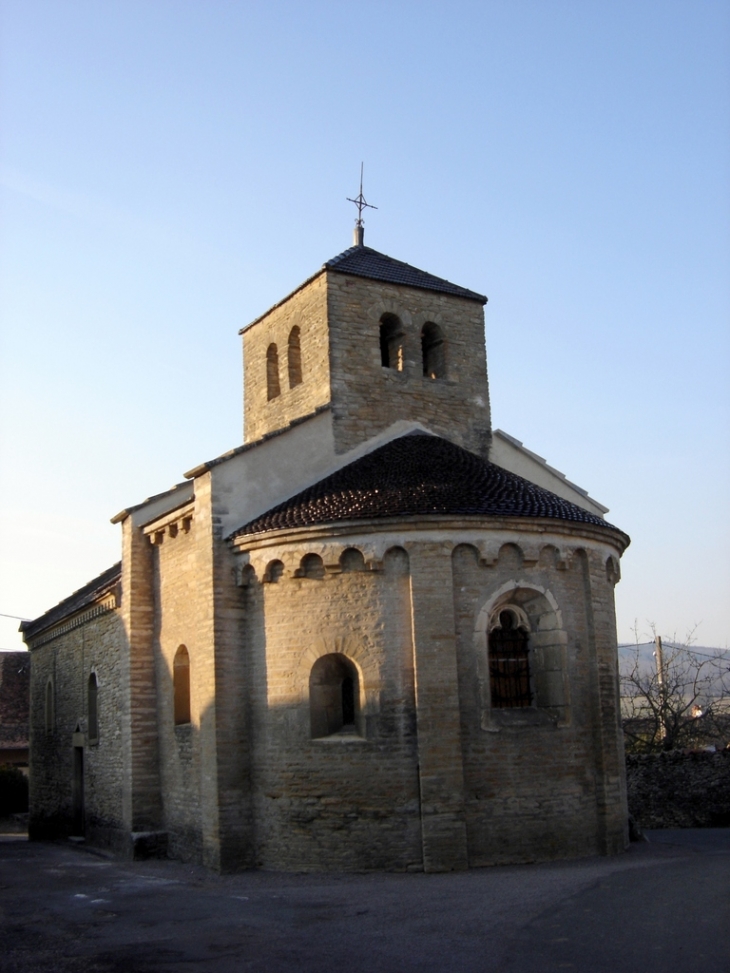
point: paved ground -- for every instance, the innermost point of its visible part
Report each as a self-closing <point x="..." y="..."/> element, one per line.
<point x="663" y="906"/>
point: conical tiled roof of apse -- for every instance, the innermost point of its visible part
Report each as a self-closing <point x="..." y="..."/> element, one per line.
<point x="365" y="262"/>
<point x="418" y="475"/>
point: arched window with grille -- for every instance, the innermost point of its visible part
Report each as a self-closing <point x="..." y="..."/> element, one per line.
<point x="294" y="357"/>
<point x="509" y="661"/>
<point x="273" y="389"/>
<point x="181" y="685"/>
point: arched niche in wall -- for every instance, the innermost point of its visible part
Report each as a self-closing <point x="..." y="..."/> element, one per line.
<point x="334" y="696"/>
<point x="274" y="571"/>
<point x="352" y="559"/>
<point x="311" y="566"/>
<point x="396" y="561"/>
<point x="181" y="686"/>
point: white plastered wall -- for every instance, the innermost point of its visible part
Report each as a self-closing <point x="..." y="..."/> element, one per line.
<point x="511" y="455"/>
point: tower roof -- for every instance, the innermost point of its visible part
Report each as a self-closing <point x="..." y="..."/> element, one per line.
<point x="361" y="261"/>
<point x="365" y="262"/>
<point x="418" y="475"/>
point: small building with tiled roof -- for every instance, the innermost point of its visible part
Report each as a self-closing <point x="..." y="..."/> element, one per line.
<point x="377" y="634"/>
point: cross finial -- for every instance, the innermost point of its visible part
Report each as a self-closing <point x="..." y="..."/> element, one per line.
<point x="361" y="204"/>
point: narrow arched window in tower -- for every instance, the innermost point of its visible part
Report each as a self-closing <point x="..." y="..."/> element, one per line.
<point x="181" y="685"/>
<point x="391" y="343"/>
<point x="273" y="388"/>
<point x="433" y="350"/>
<point x="509" y="663"/>
<point x="93" y="693"/>
<point x="294" y="357"/>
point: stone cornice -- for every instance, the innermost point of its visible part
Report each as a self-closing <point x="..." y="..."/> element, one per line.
<point x="515" y="525"/>
<point x="107" y="603"/>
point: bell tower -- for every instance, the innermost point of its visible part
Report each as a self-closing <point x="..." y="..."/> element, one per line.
<point x="374" y="340"/>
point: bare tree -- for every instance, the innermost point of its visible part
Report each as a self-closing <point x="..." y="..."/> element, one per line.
<point x="679" y="699"/>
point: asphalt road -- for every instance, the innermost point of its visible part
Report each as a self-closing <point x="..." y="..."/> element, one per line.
<point x="661" y="907"/>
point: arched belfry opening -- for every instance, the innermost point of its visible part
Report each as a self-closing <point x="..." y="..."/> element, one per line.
<point x="273" y="388"/>
<point x="294" y="357"/>
<point x="433" y="351"/>
<point x="391" y="343"/>
<point x="334" y="695"/>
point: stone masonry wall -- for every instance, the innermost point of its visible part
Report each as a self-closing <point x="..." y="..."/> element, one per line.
<point x="307" y="309"/>
<point x="534" y="778"/>
<point x="204" y="764"/>
<point x="501" y="785"/>
<point x="347" y="801"/>
<point x="97" y="646"/>
<point x="367" y="397"/>
<point x="680" y="790"/>
<point x="142" y="799"/>
<point x="339" y="320"/>
<point x="234" y="730"/>
<point x="174" y="571"/>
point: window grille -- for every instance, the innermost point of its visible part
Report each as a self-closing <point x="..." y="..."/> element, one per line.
<point x="509" y="664"/>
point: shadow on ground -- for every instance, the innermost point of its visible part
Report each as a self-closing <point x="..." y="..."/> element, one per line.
<point x="664" y="904"/>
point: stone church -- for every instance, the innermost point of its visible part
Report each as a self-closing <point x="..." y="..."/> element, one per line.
<point x="377" y="635"/>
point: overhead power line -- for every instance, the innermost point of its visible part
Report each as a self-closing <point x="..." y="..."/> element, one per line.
<point x="673" y="645"/>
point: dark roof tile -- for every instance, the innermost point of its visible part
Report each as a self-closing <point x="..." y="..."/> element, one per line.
<point x="418" y="475"/>
<point x="364" y="262"/>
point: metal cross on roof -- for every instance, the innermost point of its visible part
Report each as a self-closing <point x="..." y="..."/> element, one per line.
<point x="360" y="202"/>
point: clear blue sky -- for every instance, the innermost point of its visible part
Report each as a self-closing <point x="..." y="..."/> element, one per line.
<point x="172" y="168"/>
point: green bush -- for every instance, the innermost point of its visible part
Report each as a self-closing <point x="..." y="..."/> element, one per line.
<point x="13" y="790"/>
